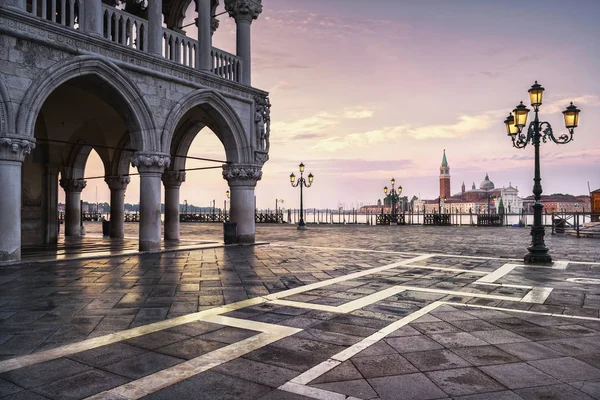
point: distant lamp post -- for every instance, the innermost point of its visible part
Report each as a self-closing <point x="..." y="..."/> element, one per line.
<point x="394" y="196"/>
<point x="515" y="122"/>
<point x="226" y="211"/>
<point x="302" y="183"/>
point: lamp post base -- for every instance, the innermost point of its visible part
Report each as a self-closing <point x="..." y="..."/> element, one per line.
<point x="538" y="258"/>
<point x="301" y="225"/>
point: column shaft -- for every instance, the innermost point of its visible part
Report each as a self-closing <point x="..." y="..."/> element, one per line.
<point x="10" y="210"/>
<point x="117" y="213"/>
<point x="243" y="49"/>
<point x="52" y="225"/>
<point x="72" y="213"/>
<point x="155" y="28"/>
<point x="92" y="21"/>
<point x="150" y="222"/>
<point x="171" y="213"/>
<point x="203" y="56"/>
<point x="242" y="212"/>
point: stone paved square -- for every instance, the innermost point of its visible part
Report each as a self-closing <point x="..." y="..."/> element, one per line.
<point x="299" y="319"/>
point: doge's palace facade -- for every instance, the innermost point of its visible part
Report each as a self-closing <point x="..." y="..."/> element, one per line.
<point x="121" y="77"/>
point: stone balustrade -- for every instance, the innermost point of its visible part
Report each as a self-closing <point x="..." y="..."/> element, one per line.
<point x="124" y="28"/>
<point x="64" y="12"/>
<point x="179" y="48"/>
<point x="226" y="65"/>
<point x="120" y="27"/>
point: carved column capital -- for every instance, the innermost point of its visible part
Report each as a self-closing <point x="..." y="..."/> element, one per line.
<point x="150" y="162"/>
<point x="118" y="182"/>
<point x="214" y="25"/>
<point x="244" y="10"/>
<point x="242" y="174"/>
<point x="173" y="179"/>
<point x="73" y="185"/>
<point x="15" y="149"/>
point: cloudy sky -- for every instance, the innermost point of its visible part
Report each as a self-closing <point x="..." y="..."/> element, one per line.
<point x="364" y="91"/>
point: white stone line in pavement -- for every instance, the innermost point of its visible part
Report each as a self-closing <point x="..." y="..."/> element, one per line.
<point x="346" y="307"/>
<point x="560" y="264"/>
<point x="444" y="269"/>
<point x="508" y="285"/>
<point x="459" y="293"/>
<point x="522" y="311"/>
<point x="170" y="376"/>
<point x="311" y="392"/>
<point x="498" y="273"/>
<point x="359" y="274"/>
<point x="537" y="295"/>
<point x="66" y="350"/>
<point x="335" y="360"/>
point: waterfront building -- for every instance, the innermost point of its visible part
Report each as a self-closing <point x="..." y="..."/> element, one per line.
<point x="483" y="199"/>
<point x="124" y="79"/>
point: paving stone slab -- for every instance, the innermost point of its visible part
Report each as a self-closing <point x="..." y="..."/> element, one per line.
<point x="567" y="369"/>
<point x="462" y="381"/>
<point x="359" y="388"/>
<point x="383" y="365"/>
<point x="412" y="386"/>
<point x="518" y="375"/>
<point x="563" y="392"/>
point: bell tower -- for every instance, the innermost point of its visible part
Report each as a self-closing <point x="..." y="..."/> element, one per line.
<point x="444" y="178"/>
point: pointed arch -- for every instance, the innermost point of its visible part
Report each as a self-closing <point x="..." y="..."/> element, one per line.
<point x="108" y="79"/>
<point x="6" y="117"/>
<point x="221" y="118"/>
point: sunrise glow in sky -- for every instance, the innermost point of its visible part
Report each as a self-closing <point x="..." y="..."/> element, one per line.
<point x="366" y="90"/>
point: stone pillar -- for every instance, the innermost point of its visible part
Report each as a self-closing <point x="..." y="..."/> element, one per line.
<point x="244" y="13"/>
<point x="150" y="166"/>
<point x="203" y="23"/>
<point x="73" y="188"/>
<point x="172" y="181"/>
<point x="52" y="224"/>
<point x="155" y="28"/>
<point x="12" y="154"/>
<point x="92" y="21"/>
<point x="117" y="186"/>
<point x="242" y="179"/>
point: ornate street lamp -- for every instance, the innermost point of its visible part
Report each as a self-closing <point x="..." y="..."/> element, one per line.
<point x="515" y="122"/>
<point x="301" y="182"/>
<point x="394" y="196"/>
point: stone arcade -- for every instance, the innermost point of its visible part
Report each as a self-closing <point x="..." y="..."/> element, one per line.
<point x="79" y="75"/>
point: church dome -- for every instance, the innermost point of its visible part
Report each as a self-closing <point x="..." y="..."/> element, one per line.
<point x="487" y="184"/>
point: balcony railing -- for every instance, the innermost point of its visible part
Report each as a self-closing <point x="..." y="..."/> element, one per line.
<point x="128" y="30"/>
<point x="124" y="28"/>
<point x="65" y="12"/>
<point x="226" y="65"/>
<point x="179" y="48"/>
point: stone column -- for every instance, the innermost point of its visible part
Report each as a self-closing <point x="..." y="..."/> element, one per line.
<point x="242" y="179"/>
<point x="12" y="154"/>
<point x="203" y="23"/>
<point x="73" y="188"/>
<point x="244" y="12"/>
<point x="92" y="21"/>
<point x="155" y="28"/>
<point x="150" y="166"/>
<point x="172" y="181"/>
<point x="52" y="225"/>
<point x="117" y="186"/>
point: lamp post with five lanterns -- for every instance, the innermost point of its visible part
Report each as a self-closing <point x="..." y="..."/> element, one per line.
<point x="536" y="132"/>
